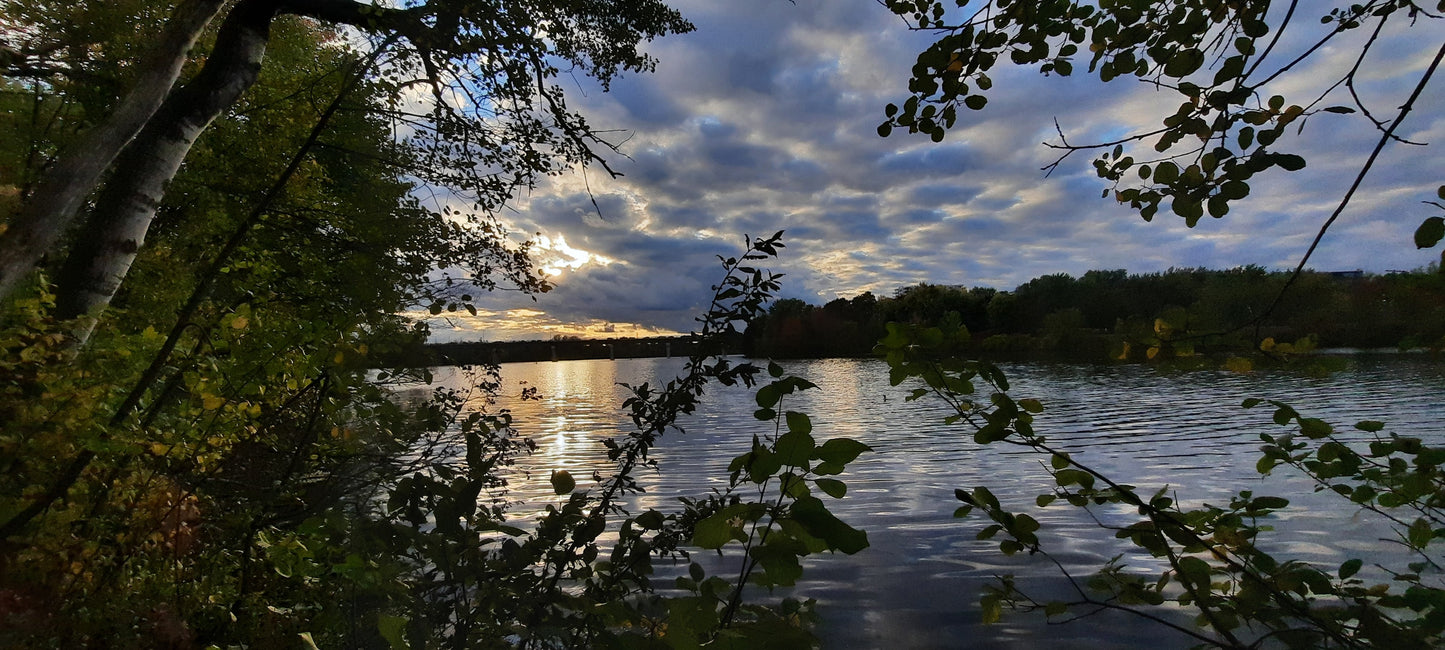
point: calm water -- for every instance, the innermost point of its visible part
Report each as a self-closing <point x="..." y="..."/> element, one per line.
<point x="918" y="585"/>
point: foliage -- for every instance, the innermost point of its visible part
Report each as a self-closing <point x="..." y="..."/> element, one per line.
<point x="217" y="466"/>
<point x="477" y="579"/>
<point x="1218" y="57"/>
<point x="1231" y="125"/>
<point x="1212" y="559"/>
<point x="274" y="490"/>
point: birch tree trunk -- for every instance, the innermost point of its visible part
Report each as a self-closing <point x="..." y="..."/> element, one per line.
<point x="113" y="233"/>
<point x="74" y="175"/>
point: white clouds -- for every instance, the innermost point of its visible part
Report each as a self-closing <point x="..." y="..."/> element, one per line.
<point x="764" y="120"/>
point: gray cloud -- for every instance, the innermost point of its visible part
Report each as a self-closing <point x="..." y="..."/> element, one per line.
<point x="764" y="120"/>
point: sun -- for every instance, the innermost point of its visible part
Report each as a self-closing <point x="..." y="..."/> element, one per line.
<point x="558" y="256"/>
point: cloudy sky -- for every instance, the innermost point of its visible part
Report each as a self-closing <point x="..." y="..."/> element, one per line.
<point x="764" y="119"/>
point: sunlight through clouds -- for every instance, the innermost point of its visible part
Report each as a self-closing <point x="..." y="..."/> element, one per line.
<point x="553" y="255"/>
<point x="764" y="120"/>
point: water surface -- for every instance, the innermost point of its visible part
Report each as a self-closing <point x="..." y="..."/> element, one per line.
<point x="918" y="585"/>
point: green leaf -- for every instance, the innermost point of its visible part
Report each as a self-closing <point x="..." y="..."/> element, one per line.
<point x="1031" y="405"/>
<point x="778" y="563"/>
<point x="975" y="102"/>
<point x="991" y="432"/>
<point x="799" y="422"/>
<point x="1184" y="63"/>
<point x="1067" y="477"/>
<point x="650" y="520"/>
<point x="392" y="628"/>
<point x="1289" y="162"/>
<point x="832" y="487"/>
<point x="1420" y="533"/>
<point x="841" y="451"/>
<point x="762" y="465"/>
<point x="794" y="448"/>
<point x="1194" y="570"/>
<point x="562" y="482"/>
<point x="983" y="497"/>
<point x="769" y="395"/>
<point x="713" y="532"/>
<point x="820" y="523"/>
<point x="1270" y="503"/>
<point x="1166" y="173"/>
<point x="1370" y="425"/>
<point x="1315" y="428"/>
<point x="1350" y="567"/>
<point x="1430" y="232"/>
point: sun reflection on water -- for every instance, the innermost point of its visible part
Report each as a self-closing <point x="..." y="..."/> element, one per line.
<point x="918" y="585"/>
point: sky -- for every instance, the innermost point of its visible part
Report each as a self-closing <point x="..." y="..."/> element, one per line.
<point x="765" y="117"/>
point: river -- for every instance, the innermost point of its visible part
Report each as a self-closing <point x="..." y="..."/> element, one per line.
<point x="918" y="584"/>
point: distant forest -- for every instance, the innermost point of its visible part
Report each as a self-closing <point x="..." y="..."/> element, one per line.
<point x="1115" y="314"/>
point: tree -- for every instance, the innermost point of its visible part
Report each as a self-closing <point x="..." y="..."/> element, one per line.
<point x="1220" y="58"/>
<point x="495" y="123"/>
<point x="219" y="466"/>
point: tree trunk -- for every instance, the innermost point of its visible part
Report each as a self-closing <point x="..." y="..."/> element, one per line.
<point x="46" y="214"/>
<point x="107" y="243"/>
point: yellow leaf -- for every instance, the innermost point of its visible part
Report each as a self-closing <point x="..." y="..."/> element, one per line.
<point x="1153" y="352"/>
<point x="340" y="356"/>
<point x="1238" y="364"/>
<point x="1124" y="354"/>
<point x="212" y="402"/>
<point x="1267" y="344"/>
<point x="239" y="322"/>
<point x="159" y="449"/>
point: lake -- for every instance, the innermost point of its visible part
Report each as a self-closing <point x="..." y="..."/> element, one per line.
<point x="918" y="584"/>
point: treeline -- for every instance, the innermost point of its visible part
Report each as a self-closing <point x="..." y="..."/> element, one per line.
<point x="1121" y="315"/>
<point x="465" y="353"/>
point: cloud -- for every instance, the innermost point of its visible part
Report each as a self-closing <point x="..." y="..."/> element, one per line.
<point x="764" y="118"/>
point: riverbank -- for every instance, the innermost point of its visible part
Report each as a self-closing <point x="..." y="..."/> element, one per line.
<point x="498" y="352"/>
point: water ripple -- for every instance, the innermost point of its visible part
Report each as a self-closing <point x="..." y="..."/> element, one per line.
<point x="918" y="585"/>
